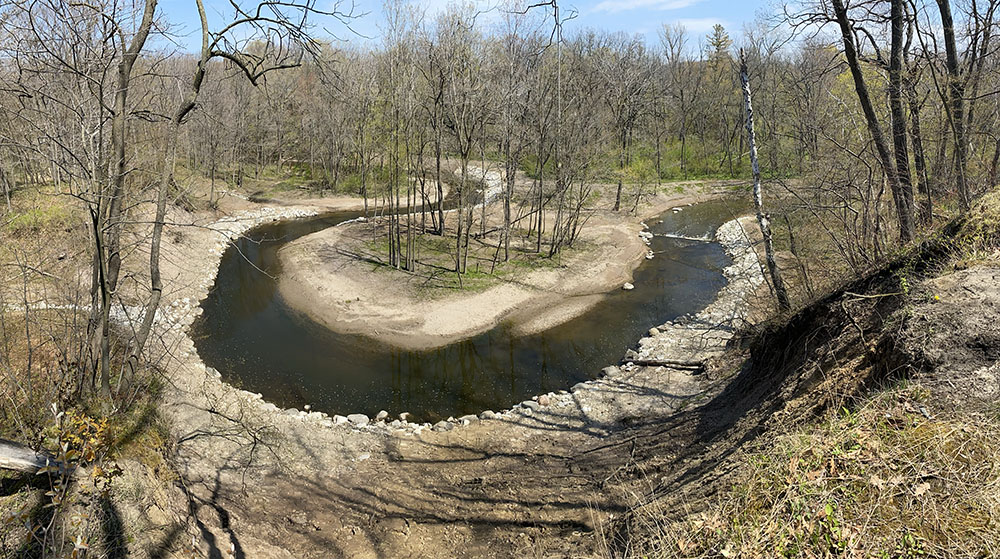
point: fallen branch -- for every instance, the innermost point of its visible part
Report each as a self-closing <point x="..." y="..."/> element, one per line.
<point x="873" y="296"/>
<point x="670" y="363"/>
<point x="17" y="457"/>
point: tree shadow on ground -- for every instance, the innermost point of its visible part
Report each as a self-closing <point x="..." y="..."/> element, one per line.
<point x="113" y="529"/>
<point x="12" y="483"/>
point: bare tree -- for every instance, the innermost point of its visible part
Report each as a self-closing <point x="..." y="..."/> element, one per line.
<point x="626" y="70"/>
<point x="903" y="198"/>
<point x="898" y="120"/>
<point x="763" y="220"/>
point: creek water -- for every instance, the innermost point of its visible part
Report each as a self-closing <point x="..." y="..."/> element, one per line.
<point x="259" y="344"/>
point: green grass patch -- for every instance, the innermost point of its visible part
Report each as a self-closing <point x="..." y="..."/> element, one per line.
<point x="42" y="213"/>
<point x="435" y="261"/>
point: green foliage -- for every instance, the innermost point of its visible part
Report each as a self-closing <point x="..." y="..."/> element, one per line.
<point x="719" y="42"/>
<point x="46" y="217"/>
<point x="689" y="160"/>
<point x="641" y="171"/>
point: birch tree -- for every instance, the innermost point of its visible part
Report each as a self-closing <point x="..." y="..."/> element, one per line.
<point x="763" y="220"/>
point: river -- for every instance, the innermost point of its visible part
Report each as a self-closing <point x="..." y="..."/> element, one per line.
<point x="261" y="345"/>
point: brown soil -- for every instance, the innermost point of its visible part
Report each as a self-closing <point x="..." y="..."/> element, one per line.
<point x="954" y="336"/>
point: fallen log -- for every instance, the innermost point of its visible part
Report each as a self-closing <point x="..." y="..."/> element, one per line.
<point x="670" y="363"/>
<point x="17" y="457"/>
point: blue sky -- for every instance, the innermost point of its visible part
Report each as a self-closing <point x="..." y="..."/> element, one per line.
<point x="647" y="16"/>
<point x="644" y="17"/>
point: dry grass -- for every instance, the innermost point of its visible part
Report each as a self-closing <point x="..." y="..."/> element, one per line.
<point x="886" y="480"/>
<point x="890" y="476"/>
<point x="977" y="238"/>
<point x="37" y="370"/>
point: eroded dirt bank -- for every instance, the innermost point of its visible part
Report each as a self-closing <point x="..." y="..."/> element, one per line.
<point x="267" y="483"/>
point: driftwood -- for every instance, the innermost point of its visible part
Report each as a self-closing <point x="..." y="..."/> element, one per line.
<point x="17" y="457"/>
<point x="693" y="365"/>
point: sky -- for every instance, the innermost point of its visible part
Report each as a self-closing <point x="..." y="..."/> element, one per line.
<point x="643" y="17"/>
<point x="646" y="17"/>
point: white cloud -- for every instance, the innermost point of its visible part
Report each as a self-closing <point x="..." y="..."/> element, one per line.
<point x="699" y="25"/>
<point x="431" y="8"/>
<point x="614" y="6"/>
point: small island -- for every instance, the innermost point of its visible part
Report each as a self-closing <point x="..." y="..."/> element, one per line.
<point x="340" y="277"/>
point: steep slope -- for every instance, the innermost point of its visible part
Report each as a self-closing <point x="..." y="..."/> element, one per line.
<point x="866" y="424"/>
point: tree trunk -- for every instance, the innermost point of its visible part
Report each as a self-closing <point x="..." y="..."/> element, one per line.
<point x="898" y="118"/>
<point x="7" y="182"/>
<point x="903" y="210"/>
<point x="437" y="178"/>
<point x="541" y="201"/>
<point x="186" y="105"/>
<point x="955" y="106"/>
<point x="621" y="172"/>
<point x="994" y="162"/>
<point x="762" y="218"/>
<point x="461" y="221"/>
<point x="919" y="161"/>
<point x="211" y="190"/>
<point x="108" y="240"/>
<point x="508" y="193"/>
<point x="364" y="179"/>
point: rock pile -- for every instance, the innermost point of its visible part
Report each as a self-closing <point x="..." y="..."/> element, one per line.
<point x="694" y="338"/>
